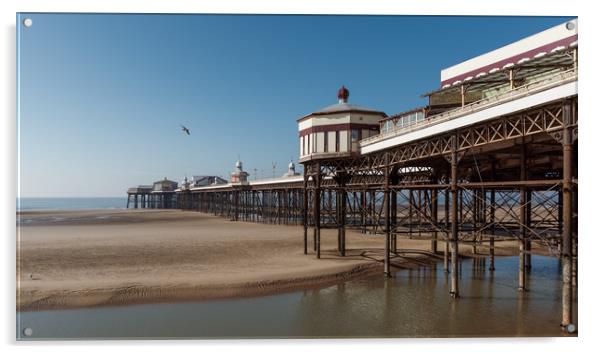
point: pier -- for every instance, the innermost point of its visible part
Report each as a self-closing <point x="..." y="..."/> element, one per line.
<point x="492" y="157"/>
<point x="161" y="195"/>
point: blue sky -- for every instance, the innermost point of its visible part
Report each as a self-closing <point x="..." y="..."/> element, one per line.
<point x="102" y="96"/>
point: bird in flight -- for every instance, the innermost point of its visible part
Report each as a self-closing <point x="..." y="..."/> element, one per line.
<point x="185" y="130"/>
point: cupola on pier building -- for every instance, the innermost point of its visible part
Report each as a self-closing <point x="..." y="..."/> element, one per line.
<point x="335" y="131"/>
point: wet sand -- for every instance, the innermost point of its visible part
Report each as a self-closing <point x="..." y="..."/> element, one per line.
<point x="99" y="258"/>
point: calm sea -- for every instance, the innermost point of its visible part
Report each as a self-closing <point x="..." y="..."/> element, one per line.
<point x="29" y="204"/>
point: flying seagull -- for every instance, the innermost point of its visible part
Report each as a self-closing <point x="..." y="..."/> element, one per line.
<point x="185" y="130"/>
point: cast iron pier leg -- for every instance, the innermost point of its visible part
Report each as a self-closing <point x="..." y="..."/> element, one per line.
<point x="522" y="220"/>
<point x="567" y="210"/>
<point x="454" y="291"/>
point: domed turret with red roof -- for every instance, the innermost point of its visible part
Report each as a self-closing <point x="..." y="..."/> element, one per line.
<point x="335" y="131"/>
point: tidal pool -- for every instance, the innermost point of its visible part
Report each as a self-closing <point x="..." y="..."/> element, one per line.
<point x="413" y="303"/>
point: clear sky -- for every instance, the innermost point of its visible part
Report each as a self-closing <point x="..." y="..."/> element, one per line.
<point x="102" y="97"/>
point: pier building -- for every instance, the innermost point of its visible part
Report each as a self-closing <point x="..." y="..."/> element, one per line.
<point x="201" y="181"/>
<point x="239" y="176"/>
<point x="161" y="195"/>
<point x="335" y="131"/>
<point x="291" y="170"/>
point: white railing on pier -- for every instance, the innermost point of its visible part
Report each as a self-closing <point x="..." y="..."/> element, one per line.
<point x="521" y="91"/>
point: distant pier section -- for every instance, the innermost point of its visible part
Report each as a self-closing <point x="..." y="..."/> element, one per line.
<point x="161" y="195"/>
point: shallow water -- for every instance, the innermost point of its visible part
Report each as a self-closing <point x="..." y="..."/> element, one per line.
<point x="47" y="204"/>
<point x="413" y="303"/>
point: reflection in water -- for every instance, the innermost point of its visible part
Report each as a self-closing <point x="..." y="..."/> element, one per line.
<point x="412" y="303"/>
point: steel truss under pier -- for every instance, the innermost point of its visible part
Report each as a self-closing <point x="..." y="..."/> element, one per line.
<point x="280" y="204"/>
<point x="510" y="178"/>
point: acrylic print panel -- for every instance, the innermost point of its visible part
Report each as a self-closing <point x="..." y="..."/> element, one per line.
<point x="164" y="192"/>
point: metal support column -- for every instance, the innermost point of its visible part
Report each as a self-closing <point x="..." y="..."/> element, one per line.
<point x="305" y="207"/>
<point x="387" y="209"/>
<point x="317" y="205"/>
<point x="522" y="219"/>
<point x="393" y="222"/>
<point x="447" y="238"/>
<point x="567" y="211"/>
<point x="528" y="225"/>
<point x="454" y="291"/>
<point x="492" y="230"/>
<point x="342" y="218"/>
<point x="435" y="219"/>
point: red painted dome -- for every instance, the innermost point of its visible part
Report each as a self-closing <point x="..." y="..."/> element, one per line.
<point x="343" y="93"/>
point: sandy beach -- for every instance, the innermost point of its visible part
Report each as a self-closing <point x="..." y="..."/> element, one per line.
<point x="98" y="258"/>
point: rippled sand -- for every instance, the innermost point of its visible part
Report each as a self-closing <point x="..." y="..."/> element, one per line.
<point x="95" y="258"/>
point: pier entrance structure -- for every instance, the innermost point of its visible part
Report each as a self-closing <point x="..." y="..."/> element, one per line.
<point x="492" y="157"/>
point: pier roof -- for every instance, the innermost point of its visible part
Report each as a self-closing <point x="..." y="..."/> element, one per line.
<point x="557" y="59"/>
<point x="343" y="107"/>
<point x="527" y="48"/>
<point x="140" y="189"/>
<point x="207" y="180"/>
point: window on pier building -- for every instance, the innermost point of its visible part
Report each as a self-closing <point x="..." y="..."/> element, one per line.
<point x="325" y="141"/>
<point x="306" y="137"/>
<point x="355" y="135"/>
<point x="320" y="142"/>
<point x="344" y="140"/>
<point x="332" y="137"/>
<point x="338" y="141"/>
<point x="387" y="125"/>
